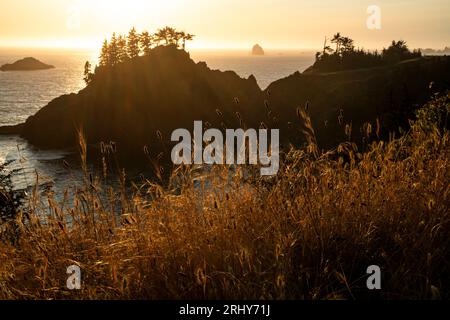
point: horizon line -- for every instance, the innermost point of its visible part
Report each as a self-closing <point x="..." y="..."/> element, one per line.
<point x="202" y="48"/>
<point x="271" y="49"/>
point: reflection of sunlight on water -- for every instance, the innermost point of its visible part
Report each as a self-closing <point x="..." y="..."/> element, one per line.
<point x="30" y="162"/>
<point x="23" y="94"/>
<point x="45" y="169"/>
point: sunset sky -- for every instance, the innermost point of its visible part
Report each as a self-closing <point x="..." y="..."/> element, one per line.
<point x="277" y="24"/>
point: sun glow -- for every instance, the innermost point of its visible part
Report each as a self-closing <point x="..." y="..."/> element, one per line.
<point x="118" y="13"/>
<point x="288" y="24"/>
<point x="113" y="10"/>
<point x="109" y="16"/>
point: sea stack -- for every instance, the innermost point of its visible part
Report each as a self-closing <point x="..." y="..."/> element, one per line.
<point x="257" y="50"/>
<point x="26" y="64"/>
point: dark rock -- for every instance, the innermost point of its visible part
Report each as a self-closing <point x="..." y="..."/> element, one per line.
<point x="26" y="64"/>
<point x="391" y="94"/>
<point x="132" y="101"/>
<point x="257" y="50"/>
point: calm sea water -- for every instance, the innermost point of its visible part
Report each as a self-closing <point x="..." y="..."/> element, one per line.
<point x="23" y="93"/>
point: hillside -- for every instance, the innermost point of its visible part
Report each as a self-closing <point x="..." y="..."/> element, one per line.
<point x="130" y="102"/>
<point x="390" y="93"/>
<point x="165" y="90"/>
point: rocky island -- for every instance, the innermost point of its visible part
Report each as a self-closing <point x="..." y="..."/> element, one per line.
<point x="26" y="64"/>
<point x="257" y="50"/>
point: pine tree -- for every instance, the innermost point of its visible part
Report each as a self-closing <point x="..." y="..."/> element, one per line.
<point x="187" y="37"/>
<point x="121" y="48"/>
<point x="159" y="36"/>
<point x="122" y="53"/>
<point x="113" y="52"/>
<point x="104" y="55"/>
<point x="133" y="44"/>
<point x="171" y="36"/>
<point x="166" y="34"/>
<point x="177" y="36"/>
<point x="146" y="42"/>
<point x="88" y="75"/>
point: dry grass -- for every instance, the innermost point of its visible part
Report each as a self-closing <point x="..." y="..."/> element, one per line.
<point x="309" y="233"/>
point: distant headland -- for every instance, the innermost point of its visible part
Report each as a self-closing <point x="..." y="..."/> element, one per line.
<point x="430" y="51"/>
<point x="26" y="64"/>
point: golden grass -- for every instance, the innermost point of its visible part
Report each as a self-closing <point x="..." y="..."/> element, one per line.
<point x="308" y="233"/>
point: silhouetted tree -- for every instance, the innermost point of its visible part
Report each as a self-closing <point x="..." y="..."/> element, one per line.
<point x="179" y="35"/>
<point x="326" y="48"/>
<point x="318" y="55"/>
<point x="166" y="34"/>
<point x="158" y="37"/>
<point x="345" y="56"/>
<point x="172" y="35"/>
<point x="187" y="37"/>
<point x="398" y="51"/>
<point x="104" y="54"/>
<point x="346" y="44"/>
<point x="113" y="51"/>
<point x="122" y="49"/>
<point x="88" y="75"/>
<point x="337" y="40"/>
<point x="146" y="41"/>
<point x="161" y="36"/>
<point x="133" y="44"/>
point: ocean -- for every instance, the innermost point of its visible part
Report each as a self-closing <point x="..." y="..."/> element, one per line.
<point x="22" y="94"/>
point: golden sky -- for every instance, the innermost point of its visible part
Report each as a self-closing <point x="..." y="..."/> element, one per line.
<point x="277" y="24"/>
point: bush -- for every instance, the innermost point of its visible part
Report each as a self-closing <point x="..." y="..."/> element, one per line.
<point x="346" y="57"/>
<point x="435" y="113"/>
<point x="10" y="200"/>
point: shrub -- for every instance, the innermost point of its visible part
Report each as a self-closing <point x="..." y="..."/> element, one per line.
<point x="10" y="200"/>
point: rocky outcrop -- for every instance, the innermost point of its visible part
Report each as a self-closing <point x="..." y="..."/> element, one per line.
<point x="142" y="101"/>
<point x="391" y="94"/>
<point x="132" y="101"/>
<point x="257" y="50"/>
<point x="26" y="64"/>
